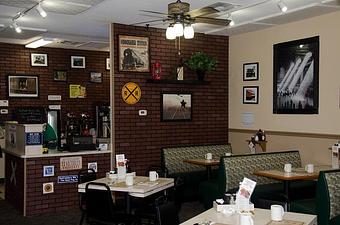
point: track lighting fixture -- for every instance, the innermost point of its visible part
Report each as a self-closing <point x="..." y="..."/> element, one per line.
<point x="282" y="6"/>
<point x="16" y="27"/>
<point x="41" y="11"/>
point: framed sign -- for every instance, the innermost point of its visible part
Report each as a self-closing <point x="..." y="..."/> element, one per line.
<point x="296" y="77"/>
<point x="48" y="171"/>
<point x="250" y="95"/>
<point x="176" y="107"/>
<point x="251" y="71"/>
<point x="23" y="86"/>
<point x="133" y="53"/>
<point x="38" y="59"/>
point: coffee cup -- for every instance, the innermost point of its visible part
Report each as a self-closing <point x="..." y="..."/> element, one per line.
<point x="246" y="219"/>
<point x="309" y="168"/>
<point x="208" y="156"/>
<point x="153" y="176"/>
<point x="288" y="168"/>
<point x="228" y="154"/>
<point x="276" y="212"/>
<point x="129" y="179"/>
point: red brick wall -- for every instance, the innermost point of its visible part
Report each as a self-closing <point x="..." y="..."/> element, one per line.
<point x="141" y="138"/>
<point x="15" y="59"/>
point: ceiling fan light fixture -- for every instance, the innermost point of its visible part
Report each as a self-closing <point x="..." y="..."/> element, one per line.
<point x="16" y="28"/>
<point x="189" y="32"/>
<point x="170" y="33"/>
<point x="41" y="11"/>
<point x="178" y="28"/>
<point x="282" y="6"/>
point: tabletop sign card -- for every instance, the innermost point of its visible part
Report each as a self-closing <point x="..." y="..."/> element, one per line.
<point x="285" y="222"/>
<point x="71" y="163"/>
<point x="30" y="115"/>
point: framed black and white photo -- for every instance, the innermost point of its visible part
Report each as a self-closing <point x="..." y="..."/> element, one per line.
<point x="251" y="71"/>
<point x="38" y="59"/>
<point x="108" y="64"/>
<point x="133" y="53"/>
<point x="176" y="107"/>
<point x="60" y="75"/>
<point x="77" y="62"/>
<point x="250" y="95"/>
<point x="296" y="77"/>
<point x="23" y="86"/>
<point x="95" y="77"/>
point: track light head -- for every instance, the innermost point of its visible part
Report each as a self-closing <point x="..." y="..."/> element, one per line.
<point x="41" y="11"/>
<point x="282" y="6"/>
<point x="16" y="27"/>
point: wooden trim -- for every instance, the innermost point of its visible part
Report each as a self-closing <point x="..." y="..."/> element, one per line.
<point x="287" y="133"/>
<point x="112" y="96"/>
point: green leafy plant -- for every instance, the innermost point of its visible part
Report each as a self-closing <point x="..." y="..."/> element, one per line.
<point x="200" y="61"/>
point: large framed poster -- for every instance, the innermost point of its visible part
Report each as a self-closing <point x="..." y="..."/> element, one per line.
<point x="23" y="86"/>
<point x="296" y="77"/>
<point x="133" y="53"/>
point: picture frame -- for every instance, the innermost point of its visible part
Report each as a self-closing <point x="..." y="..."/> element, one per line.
<point x="78" y="62"/>
<point x="296" y="77"/>
<point x="39" y="59"/>
<point x="108" y="64"/>
<point x="60" y="75"/>
<point x="23" y="86"/>
<point x="133" y="54"/>
<point x="250" y="71"/>
<point x="176" y="106"/>
<point x="48" y="171"/>
<point x="250" y="94"/>
<point x="96" y="77"/>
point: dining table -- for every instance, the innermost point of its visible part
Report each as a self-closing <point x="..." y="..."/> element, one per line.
<point x="208" y="163"/>
<point x="260" y="217"/>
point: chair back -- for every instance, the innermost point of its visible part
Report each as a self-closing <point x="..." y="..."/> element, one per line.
<point x="99" y="203"/>
<point x="86" y="175"/>
<point x="328" y="196"/>
<point x="166" y="214"/>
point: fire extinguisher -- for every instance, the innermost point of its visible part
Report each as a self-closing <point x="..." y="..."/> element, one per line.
<point x="156" y="71"/>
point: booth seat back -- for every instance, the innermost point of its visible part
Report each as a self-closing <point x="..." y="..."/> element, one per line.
<point x="234" y="168"/>
<point x="172" y="157"/>
<point x="328" y="197"/>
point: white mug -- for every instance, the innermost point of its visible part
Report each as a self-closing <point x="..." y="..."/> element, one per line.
<point x="153" y="176"/>
<point x="228" y="154"/>
<point x="277" y="212"/>
<point x="288" y="168"/>
<point x="129" y="179"/>
<point x="246" y="219"/>
<point x="309" y="168"/>
<point x="208" y="156"/>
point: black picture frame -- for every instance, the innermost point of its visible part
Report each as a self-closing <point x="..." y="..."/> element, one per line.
<point x="23" y="86"/>
<point x="250" y="71"/>
<point x="176" y="106"/>
<point x="133" y="54"/>
<point x="296" y="77"/>
<point x="39" y="59"/>
<point x="78" y="62"/>
<point x="60" y="75"/>
<point x="251" y="95"/>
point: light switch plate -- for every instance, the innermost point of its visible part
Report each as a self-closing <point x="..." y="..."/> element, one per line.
<point x="3" y="103"/>
<point x="4" y="111"/>
<point x="143" y="112"/>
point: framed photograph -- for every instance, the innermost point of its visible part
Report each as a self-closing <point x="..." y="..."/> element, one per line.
<point x="38" y="59"/>
<point x="176" y="107"/>
<point x="108" y="65"/>
<point x="296" y="77"/>
<point x="23" y="86"/>
<point x="60" y="75"/>
<point x="133" y="54"/>
<point x="251" y="71"/>
<point x="48" y="171"/>
<point x="251" y="95"/>
<point x="96" y="77"/>
<point x="77" y="62"/>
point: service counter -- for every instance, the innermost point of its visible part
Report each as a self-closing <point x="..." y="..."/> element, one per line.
<point x="45" y="183"/>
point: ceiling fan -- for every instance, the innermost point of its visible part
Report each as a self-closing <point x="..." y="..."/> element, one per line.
<point x="180" y="19"/>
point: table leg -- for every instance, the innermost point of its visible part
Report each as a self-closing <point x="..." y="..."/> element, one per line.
<point x="286" y="187"/>
<point x="208" y="172"/>
<point x="128" y="203"/>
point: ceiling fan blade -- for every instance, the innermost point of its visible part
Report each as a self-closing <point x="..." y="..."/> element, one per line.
<point x="220" y="22"/>
<point x="148" y="11"/>
<point x="150" y="21"/>
<point x="202" y="11"/>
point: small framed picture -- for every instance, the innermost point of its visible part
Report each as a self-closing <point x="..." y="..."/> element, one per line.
<point x="250" y="95"/>
<point x="38" y="59"/>
<point x="176" y="107"/>
<point x="48" y="171"/>
<point x="251" y="71"/>
<point x="93" y="165"/>
<point x="60" y="75"/>
<point x="108" y="65"/>
<point x="95" y="77"/>
<point x="77" y="62"/>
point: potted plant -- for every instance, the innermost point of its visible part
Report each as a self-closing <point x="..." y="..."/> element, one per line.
<point x="201" y="63"/>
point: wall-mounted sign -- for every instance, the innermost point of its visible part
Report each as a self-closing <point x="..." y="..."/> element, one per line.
<point x="48" y="171"/>
<point x="93" y="165"/>
<point x="71" y="163"/>
<point x="54" y="107"/>
<point x="77" y="91"/>
<point x="54" y="97"/>
<point x="67" y="179"/>
<point x="131" y="93"/>
<point x="48" y="188"/>
<point x="34" y="138"/>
